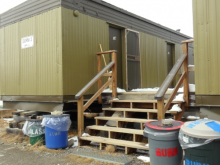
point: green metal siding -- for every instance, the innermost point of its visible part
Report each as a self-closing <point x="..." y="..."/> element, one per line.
<point x="154" y="60"/>
<point x="206" y="15"/>
<point x="81" y="38"/>
<point x="36" y="70"/>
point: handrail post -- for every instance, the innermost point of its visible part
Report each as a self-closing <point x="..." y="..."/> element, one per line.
<point x="114" y="75"/>
<point x="99" y="80"/>
<point x="185" y="69"/>
<point x="80" y="117"/>
<point x="160" y="109"/>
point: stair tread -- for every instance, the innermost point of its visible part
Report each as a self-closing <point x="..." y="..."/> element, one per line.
<point x="136" y="110"/>
<point x="124" y="119"/>
<point x="144" y="101"/>
<point x="124" y="143"/>
<point x="115" y="129"/>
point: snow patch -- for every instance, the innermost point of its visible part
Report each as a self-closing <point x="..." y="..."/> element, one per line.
<point x="147" y="145"/>
<point x="179" y="97"/>
<point x="145" y="159"/>
<point x="155" y="89"/>
<point x="176" y="107"/>
<point x="193" y="117"/>
<point x="190" y="65"/>
<point x="119" y="90"/>
<point x="192" y="88"/>
<point x="1" y="103"/>
<point x="85" y="134"/>
<point x="115" y="99"/>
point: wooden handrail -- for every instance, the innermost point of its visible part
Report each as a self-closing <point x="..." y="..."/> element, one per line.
<point x="184" y="79"/>
<point x="106" y="52"/>
<point x="101" y="73"/>
<point x="166" y="83"/>
<point x="96" y="78"/>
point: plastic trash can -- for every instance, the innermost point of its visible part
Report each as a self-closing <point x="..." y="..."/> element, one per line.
<point x="34" y="130"/>
<point x="56" y="130"/>
<point x="200" y="140"/>
<point x="164" y="147"/>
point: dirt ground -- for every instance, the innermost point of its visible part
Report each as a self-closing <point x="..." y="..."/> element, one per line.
<point x="15" y="150"/>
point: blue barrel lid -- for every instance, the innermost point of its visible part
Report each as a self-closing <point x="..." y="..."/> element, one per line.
<point x="204" y="128"/>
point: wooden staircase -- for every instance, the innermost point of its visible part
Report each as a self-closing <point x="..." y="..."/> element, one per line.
<point x="119" y="134"/>
<point x="150" y="109"/>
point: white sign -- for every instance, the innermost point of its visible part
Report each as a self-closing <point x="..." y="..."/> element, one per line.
<point x="27" y="42"/>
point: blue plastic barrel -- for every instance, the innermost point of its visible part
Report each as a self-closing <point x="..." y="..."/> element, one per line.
<point x="56" y="131"/>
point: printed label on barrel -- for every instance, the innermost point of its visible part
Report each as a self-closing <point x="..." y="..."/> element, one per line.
<point x="170" y="152"/>
<point x="35" y="131"/>
<point x="189" y="162"/>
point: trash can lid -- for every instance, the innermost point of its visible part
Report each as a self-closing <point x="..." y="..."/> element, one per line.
<point x="204" y="128"/>
<point x="164" y="125"/>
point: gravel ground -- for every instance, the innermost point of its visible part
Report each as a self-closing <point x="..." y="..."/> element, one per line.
<point x="20" y="154"/>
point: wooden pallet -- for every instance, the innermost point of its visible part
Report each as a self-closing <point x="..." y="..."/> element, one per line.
<point x="6" y="112"/>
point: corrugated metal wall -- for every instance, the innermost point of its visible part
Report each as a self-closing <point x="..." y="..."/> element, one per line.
<point x="36" y="70"/>
<point x="206" y="15"/>
<point x="26" y="10"/>
<point x="154" y="60"/>
<point x="81" y="38"/>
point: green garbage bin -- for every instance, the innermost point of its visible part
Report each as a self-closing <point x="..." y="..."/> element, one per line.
<point x="200" y="140"/>
<point x="34" y="130"/>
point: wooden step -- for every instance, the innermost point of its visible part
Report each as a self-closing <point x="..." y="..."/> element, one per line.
<point x="136" y="110"/>
<point x="127" y="144"/>
<point x="142" y="101"/>
<point x="114" y="129"/>
<point x="119" y="121"/>
<point x="135" y="120"/>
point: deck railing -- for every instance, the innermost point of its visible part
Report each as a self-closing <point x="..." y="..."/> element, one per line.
<point x="182" y="61"/>
<point x="101" y="72"/>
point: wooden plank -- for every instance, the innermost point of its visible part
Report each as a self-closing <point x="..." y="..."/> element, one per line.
<point x="114" y="75"/>
<point x="98" y="93"/>
<point x="179" y="83"/>
<point x="160" y="107"/>
<point x="123" y="119"/>
<point x="188" y="41"/>
<point x="107" y="74"/>
<point x="144" y="93"/>
<point x="106" y="52"/>
<point x="142" y="101"/>
<point x="28" y="113"/>
<point x="135" y="110"/>
<point x="99" y="80"/>
<point x="117" y="142"/>
<point x="114" y="129"/>
<point x="80" y="117"/>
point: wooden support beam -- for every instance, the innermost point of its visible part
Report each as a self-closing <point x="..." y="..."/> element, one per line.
<point x="80" y="116"/>
<point x="114" y="75"/>
<point x="99" y="80"/>
<point x="185" y="69"/>
<point x="160" y="107"/>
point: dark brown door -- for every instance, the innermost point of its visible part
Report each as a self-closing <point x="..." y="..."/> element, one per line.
<point x="115" y="43"/>
<point x="169" y="59"/>
<point x="133" y="60"/>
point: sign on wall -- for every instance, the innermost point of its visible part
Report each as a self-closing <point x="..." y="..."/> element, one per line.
<point x="27" y="42"/>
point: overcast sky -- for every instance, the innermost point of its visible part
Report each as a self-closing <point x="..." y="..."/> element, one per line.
<point x="175" y="14"/>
